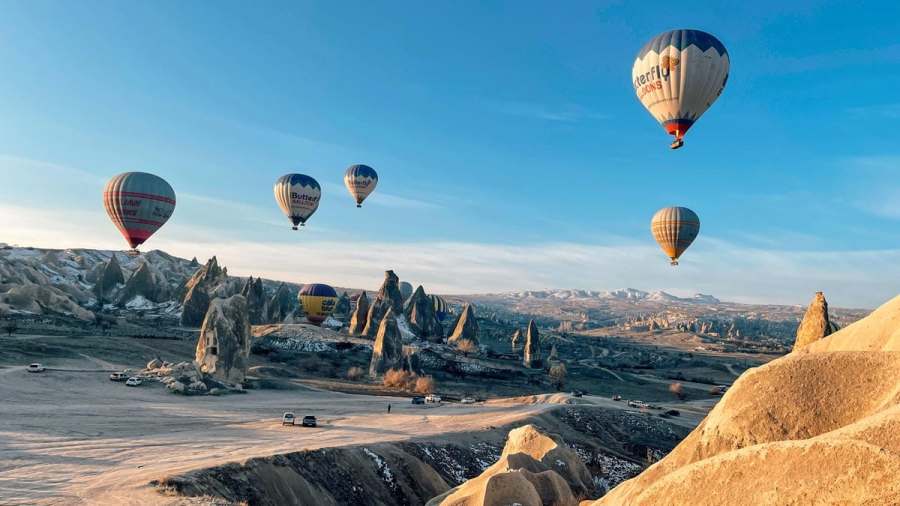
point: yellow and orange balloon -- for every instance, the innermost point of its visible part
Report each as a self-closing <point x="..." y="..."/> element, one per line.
<point x="675" y="228"/>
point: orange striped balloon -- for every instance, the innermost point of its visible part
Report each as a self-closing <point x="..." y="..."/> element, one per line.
<point x="675" y="228"/>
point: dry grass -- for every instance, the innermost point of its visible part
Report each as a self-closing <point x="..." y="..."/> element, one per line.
<point x="355" y="374"/>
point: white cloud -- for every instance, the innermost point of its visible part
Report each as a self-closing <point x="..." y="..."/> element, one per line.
<point x="556" y="112"/>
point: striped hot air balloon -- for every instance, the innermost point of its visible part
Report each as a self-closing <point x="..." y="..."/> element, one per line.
<point x="678" y="75"/>
<point x="138" y="204"/>
<point x="440" y="307"/>
<point x="318" y="301"/>
<point x="675" y="228"/>
<point x="361" y="181"/>
<point x="298" y="197"/>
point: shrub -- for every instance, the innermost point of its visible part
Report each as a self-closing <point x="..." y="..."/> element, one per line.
<point x="397" y="379"/>
<point x="715" y="391"/>
<point x="676" y="389"/>
<point x="465" y="346"/>
<point x="355" y="374"/>
<point x="424" y="385"/>
<point x="558" y="376"/>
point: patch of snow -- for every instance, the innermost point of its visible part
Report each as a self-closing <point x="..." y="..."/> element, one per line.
<point x="382" y="466"/>
<point x="405" y="333"/>
<point x="140" y="303"/>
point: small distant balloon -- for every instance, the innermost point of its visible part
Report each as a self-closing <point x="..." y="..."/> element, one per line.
<point x="138" y="204"/>
<point x="406" y="290"/>
<point x="675" y="228"/>
<point x="298" y="197"/>
<point x="360" y="181"/>
<point x="318" y="301"/>
<point x="678" y="75"/>
<point x="440" y="307"/>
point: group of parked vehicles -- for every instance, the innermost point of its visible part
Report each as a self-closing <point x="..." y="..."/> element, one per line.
<point x="132" y="381"/>
<point x="290" y="419"/>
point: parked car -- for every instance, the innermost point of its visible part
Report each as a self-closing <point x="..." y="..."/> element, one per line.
<point x="36" y="368"/>
<point x="636" y="404"/>
<point x="287" y="419"/>
<point x="577" y="393"/>
<point x="418" y="400"/>
<point x="617" y="397"/>
<point x="468" y="400"/>
<point x="309" y="421"/>
<point x="673" y="412"/>
<point x="432" y="398"/>
<point x="118" y="376"/>
<point x="133" y="382"/>
<point x="723" y="389"/>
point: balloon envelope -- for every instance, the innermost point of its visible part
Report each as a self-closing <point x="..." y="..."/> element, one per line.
<point x="360" y="181"/>
<point x="675" y="228"/>
<point x="440" y="307"/>
<point x="298" y="197"/>
<point x="678" y="75"/>
<point x="138" y="204"/>
<point x="318" y="302"/>
<point x="406" y="290"/>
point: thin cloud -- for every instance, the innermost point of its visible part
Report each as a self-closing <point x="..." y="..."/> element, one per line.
<point x="379" y="198"/>
<point x="888" y="111"/>
<point x="533" y="110"/>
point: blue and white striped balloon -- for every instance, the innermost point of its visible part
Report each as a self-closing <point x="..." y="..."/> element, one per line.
<point x="360" y="181"/>
<point x="298" y="197"/>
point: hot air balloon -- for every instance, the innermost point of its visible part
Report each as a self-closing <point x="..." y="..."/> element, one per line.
<point x="318" y="302"/>
<point x="298" y="196"/>
<point x="406" y="290"/>
<point x="678" y="75"/>
<point x="361" y="181"/>
<point x="138" y="204"/>
<point x="440" y="307"/>
<point x="675" y="228"/>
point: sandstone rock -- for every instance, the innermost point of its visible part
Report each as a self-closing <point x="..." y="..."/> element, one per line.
<point x="387" y="353"/>
<point x="824" y="419"/>
<point x="148" y="282"/>
<point x="388" y="298"/>
<point x="815" y="323"/>
<point x="516" y="337"/>
<point x="256" y="297"/>
<point x="342" y="308"/>
<point x="107" y="285"/>
<point x="197" y="292"/>
<point x="214" y="391"/>
<point x="413" y="364"/>
<point x="360" y="315"/>
<point x="154" y="364"/>
<point x="198" y="386"/>
<point x="534" y="469"/>
<point x="223" y="350"/>
<point x="176" y="386"/>
<point x="466" y="327"/>
<point x="280" y="305"/>
<point x="532" y="357"/>
<point x="423" y="320"/>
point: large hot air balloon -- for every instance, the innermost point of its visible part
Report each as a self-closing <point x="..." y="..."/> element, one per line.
<point x="298" y="196"/>
<point x="138" y="204"/>
<point x="440" y="307"/>
<point x="675" y="228"/>
<point x="318" y="302"/>
<point x="361" y="181"/>
<point x="406" y="291"/>
<point x="678" y="75"/>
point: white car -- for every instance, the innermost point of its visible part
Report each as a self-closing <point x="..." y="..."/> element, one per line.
<point x="36" y="368"/>
<point x="287" y="419"/>
<point x="636" y="404"/>
<point x="468" y="400"/>
<point x="432" y="398"/>
<point x="133" y="382"/>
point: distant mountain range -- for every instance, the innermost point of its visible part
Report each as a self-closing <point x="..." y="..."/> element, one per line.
<point x="624" y="294"/>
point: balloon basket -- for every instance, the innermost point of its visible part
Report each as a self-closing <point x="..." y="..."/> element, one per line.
<point x="673" y="263"/>
<point x="133" y="252"/>
<point x="358" y="205"/>
<point x="293" y="228"/>
<point x="677" y="143"/>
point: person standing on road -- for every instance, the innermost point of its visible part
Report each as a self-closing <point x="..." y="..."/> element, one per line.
<point x="389" y="409"/>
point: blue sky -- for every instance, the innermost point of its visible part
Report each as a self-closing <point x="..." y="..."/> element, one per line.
<point x="512" y="151"/>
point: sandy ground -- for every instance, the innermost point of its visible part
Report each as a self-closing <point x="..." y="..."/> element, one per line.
<point x="70" y="435"/>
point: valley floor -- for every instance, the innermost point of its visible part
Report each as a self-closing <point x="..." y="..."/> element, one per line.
<point x="70" y="435"/>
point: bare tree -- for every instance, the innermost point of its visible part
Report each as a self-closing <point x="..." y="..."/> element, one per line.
<point x="424" y="385"/>
<point x="465" y="346"/>
<point x="355" y="374"/>
<point x="676" y="389"/>
<point x="715" y="391"/>
<point x="10" y="327"/>
<point x="558" y="375"/>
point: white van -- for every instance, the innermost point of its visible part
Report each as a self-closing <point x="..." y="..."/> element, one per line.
<point x="118" y="376"/>
<point x="432" y="398"/>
